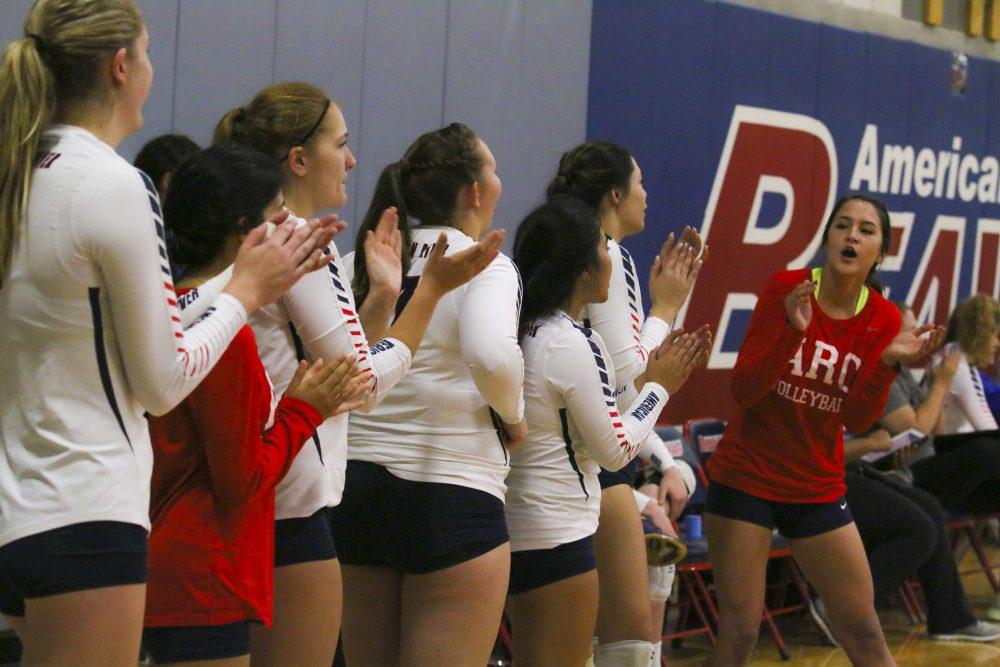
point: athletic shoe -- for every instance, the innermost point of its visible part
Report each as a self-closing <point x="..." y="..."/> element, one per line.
<point x="661" y="550"/>
<point x="980" y="631"/>
<point x="818" y="612"/>
<point x="993" y="613"/>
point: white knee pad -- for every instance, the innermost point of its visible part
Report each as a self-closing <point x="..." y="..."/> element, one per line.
<point x="687" y="475"/>
<point x="661" y="582"/>
<point x="625" y="654"/>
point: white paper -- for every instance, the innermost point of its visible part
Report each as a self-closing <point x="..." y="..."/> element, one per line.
<point x="900" y="440"/>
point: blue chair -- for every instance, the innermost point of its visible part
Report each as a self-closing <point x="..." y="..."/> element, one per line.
<point x="681" y="450"/>
<point x="704" y="434"/>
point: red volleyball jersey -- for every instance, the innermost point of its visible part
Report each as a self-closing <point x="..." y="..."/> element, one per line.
<point x="797" y="391"/>
<point x="216" y="464"/>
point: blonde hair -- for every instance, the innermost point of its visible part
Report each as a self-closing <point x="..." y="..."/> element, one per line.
<point x="56" y="62"/>
<point x="973" y="325"/>
<point x="276" y="120"/>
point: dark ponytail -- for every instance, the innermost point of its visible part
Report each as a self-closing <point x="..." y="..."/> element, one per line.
<point x="553" y="246"/>
<point x="591" y="170"/>
<point x="425" y="185"/>
<point x="883" y="217"/>
<point x="215" y="194"/>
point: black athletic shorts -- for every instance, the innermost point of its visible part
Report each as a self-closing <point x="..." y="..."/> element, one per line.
<point x="413" y="527"/>
<point x="79" y="557"/>
<point x="186" y="643"/>
<point x="304" y="540"/>
<point x="540" y="567"/>
<point x="624" y="476"/>
<point x="793" y="520"/>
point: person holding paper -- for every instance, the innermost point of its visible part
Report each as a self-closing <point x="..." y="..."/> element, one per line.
<point x="964" y="474"/>
<point x="903" y="527"/>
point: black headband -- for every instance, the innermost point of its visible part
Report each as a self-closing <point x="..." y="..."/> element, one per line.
<point x="307" y="135"/>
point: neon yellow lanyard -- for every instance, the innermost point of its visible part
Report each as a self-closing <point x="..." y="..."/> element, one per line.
<point x="817" y="274"/>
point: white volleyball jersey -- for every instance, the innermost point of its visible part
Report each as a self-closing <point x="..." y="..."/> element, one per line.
<point x="629" y="336"/>
<point x="91" y="339"/>
<point x="574" y="426"/>
<point x="965" y="406"/>
<point x="436" y="425"/>
<point x="315" y="319"/>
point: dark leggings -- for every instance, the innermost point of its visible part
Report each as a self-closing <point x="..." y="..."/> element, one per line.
<point x="903" y="531"/>
<point x="965" y="478"/>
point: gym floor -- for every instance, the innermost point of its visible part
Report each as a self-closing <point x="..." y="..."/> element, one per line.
<point x="909" y="643"/>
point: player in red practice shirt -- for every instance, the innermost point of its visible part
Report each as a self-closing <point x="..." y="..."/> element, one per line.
<point x="219" y="455"/>
<point x="819" y="355"/>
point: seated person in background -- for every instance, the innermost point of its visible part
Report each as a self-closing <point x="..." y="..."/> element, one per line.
<point x="992" y="390"/>
<point x="161" y="156"/>
<point x="903" y="531"/>
<point x="965" y="478"/>
<point x="902" y="527"/>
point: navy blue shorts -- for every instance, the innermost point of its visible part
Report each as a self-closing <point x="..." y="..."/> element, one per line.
<point x="79" y="557"/>
<point x="413" y="527"/>
<point x="540" y="567"/>
<point x="185" y="643"/>
<point x="623" y="476"/>
<point x="793" y="520"/>
<point x="304" y="540"/>
<point x="608" y="478"/>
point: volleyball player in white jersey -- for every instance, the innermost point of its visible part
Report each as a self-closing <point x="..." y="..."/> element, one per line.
<point x="305" y="131"/>
<point x="90" y="330"/>
<point x="606" y="177"/>
<point x="421" y="529"/>
<point x="574" y="428"/>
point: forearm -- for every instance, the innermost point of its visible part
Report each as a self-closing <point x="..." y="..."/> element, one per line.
<point x="867" y="398"/>
<point x="376" y="313"/>
<point x="855" y="448"/>
<point x="927" y="413"/>
<point x="664" y="312"/>
<point x="655" y="451"/>
<point x="762" y="360"/>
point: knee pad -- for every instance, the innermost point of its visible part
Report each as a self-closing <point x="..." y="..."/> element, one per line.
<point x="661" y="582"/>
<point x="630" y="653"/>
<point x="687" y="475"/>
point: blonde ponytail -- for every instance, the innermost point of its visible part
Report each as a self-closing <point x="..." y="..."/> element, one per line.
<point x="27" y="92"/>
<point x="55" y="63"/>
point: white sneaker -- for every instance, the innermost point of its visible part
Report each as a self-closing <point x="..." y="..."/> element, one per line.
<point x="980" y="631"/>
<point x="993" y="613"/>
